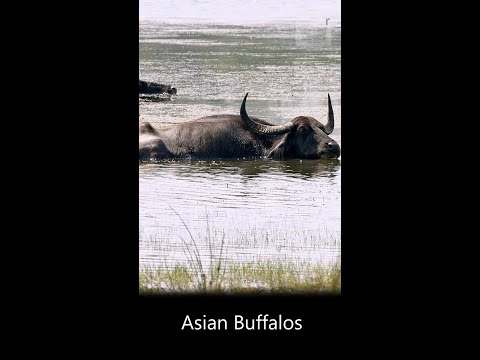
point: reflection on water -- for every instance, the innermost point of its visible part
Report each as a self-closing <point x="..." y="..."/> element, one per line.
<point x="265" y="209"/>
<point x="250" y="168"/>
<point x="262" y="209"/>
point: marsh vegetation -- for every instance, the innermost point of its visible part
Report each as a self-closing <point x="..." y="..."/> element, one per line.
<point x="247" y="278"/>
<point x="208" y="264"/>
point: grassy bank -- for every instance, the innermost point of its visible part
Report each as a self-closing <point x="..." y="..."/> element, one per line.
<point x="248" y="278"/>
<point x="217" y="262"/>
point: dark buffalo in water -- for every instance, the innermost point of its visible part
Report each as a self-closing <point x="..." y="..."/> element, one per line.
<point x="238" y="136"/>
<point x="147" y="87"/>
<point x="155" y="97"/>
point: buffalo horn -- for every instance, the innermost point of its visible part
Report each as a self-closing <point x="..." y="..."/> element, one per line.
<point x="262" y="129"/>
<point x="330" y="124"/>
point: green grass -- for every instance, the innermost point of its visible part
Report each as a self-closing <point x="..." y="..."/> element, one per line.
<point x="249" y="278"/>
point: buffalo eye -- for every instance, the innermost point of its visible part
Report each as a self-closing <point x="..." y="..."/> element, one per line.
<point x="302" y="129"/>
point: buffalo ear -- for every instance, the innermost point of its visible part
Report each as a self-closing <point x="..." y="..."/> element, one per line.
<point x="279" y="151"/>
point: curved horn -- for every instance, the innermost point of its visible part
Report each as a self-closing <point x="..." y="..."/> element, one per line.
<point x="260" y="128"/>
<point x="330" y="124"/>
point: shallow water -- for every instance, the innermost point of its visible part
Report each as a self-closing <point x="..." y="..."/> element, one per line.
<point x="259" y="209"/>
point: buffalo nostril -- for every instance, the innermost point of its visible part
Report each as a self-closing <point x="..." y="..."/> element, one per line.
<point x="333" y="147"/>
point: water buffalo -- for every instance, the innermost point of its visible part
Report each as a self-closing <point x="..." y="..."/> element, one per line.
<point x="155" y="97"/>
<point x="238" y="136"/>
<point x="147" y="87"/>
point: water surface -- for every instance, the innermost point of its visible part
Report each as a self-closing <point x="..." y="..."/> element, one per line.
<point x="313" y="12"/>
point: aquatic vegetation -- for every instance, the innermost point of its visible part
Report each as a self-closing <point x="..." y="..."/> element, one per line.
<point x="247" y="278"/>
<point x="207" y="268"/>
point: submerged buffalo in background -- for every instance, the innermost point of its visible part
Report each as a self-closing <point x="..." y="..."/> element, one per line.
<point x="234" y="136"/>
<point x="155" y="97"/>
<point x="147" y="87"/>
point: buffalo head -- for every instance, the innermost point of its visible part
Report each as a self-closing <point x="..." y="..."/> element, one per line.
<point x="303" y="137"/>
